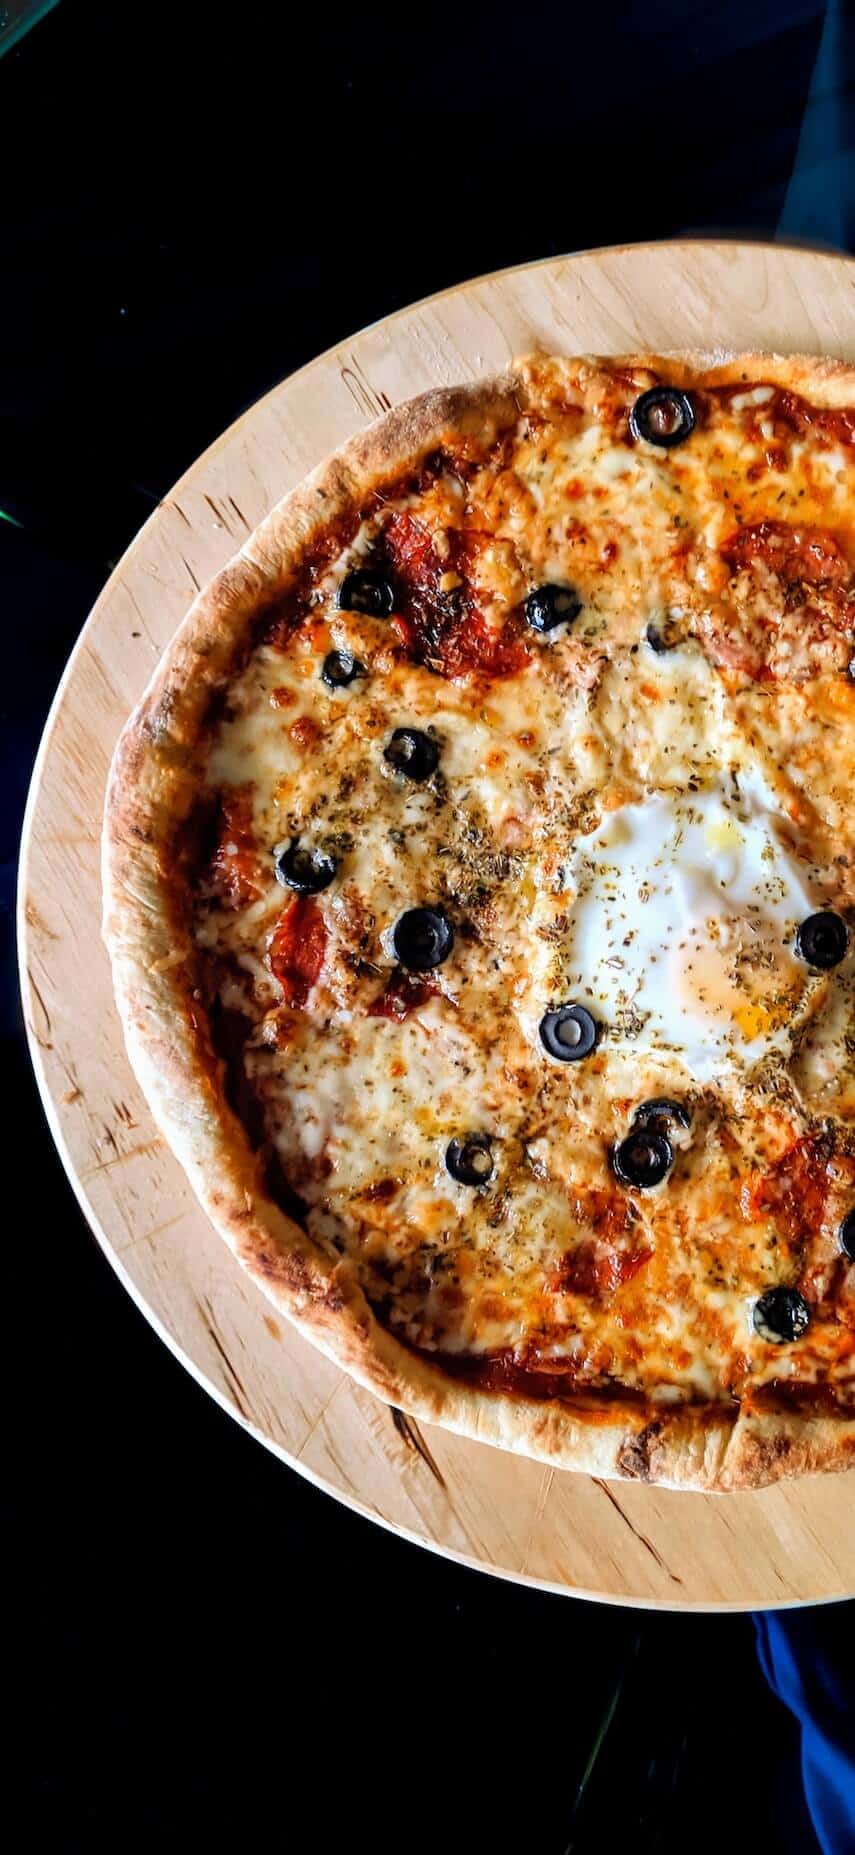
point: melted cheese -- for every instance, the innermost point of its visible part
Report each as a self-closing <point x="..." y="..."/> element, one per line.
<point x="601" y="780"/>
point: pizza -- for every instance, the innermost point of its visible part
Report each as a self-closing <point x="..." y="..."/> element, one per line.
<point x="479" y="879"/>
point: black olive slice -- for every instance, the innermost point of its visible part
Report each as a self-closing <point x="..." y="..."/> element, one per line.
<point x="660" y="637"/>
<point x="368" y="592"/>
<point x="663" y="416"/>
<point x="413" y="753"/>
<point x="340" y="668"/>
<point x="663" y="1110"/>
<point x="822" y="940"/>
<point x="643" y="1159"/>
<point x="304" y="869"/>
<point x="780" y="1315"/>
<point x="568" y="1033"/>
<point x="469" y="1159"/>
<point x="846" y="1235"/>
<point x="422" y="938"/>
<point x="551" y="605"/>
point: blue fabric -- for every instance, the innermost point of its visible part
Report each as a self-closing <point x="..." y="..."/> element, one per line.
<point x="808" y="1659"/>
<point x="820" y="202"/>
<point x="808" y="1656"/>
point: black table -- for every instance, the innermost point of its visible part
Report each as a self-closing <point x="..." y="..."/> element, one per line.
<point x="195" y="202"/>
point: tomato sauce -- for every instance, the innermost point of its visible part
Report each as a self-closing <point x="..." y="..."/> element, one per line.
<point x="298" y="948"/>
<point x="233" y="870"/>
<point x="790" y="415"/>
<point x="595" y="1270"/>
<point x="803" y="554"/>
<point x="403" y="993"/>
<point x="503" y="1372"/>
<point x="793" y="1192"/>
<point x="445" y="630"/>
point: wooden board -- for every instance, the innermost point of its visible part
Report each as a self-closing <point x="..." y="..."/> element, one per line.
<point x="616" y="1541"/>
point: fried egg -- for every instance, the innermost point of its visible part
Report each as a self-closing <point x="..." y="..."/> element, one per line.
<point x="682" y="925"/>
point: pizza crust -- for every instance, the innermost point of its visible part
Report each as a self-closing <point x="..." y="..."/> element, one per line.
<point x="151" y="789"/>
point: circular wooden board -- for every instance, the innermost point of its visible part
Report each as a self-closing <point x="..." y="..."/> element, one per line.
<point x="616" y="1541"/>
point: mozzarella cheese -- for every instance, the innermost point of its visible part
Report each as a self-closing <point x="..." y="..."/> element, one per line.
<point x="636" y="831"/>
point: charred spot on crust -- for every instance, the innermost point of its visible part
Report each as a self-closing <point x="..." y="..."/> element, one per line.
<point x="634" y="1456"/>
<point x="289" y="1269"/>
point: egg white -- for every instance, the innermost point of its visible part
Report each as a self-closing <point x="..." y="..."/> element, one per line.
<point x="681" y="929"/>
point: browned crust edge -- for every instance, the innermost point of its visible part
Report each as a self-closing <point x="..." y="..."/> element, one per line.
<point x="151" y="784"/>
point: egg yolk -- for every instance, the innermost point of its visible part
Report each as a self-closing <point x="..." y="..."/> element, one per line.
<point x="744" y="988"/>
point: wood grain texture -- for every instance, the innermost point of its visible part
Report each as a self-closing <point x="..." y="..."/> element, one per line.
<point x="624" y="1543"/>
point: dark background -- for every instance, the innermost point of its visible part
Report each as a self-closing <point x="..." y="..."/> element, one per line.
<point x="196" y="200"/>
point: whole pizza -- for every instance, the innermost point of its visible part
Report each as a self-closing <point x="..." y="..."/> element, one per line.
<point x="480" y="888"/>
